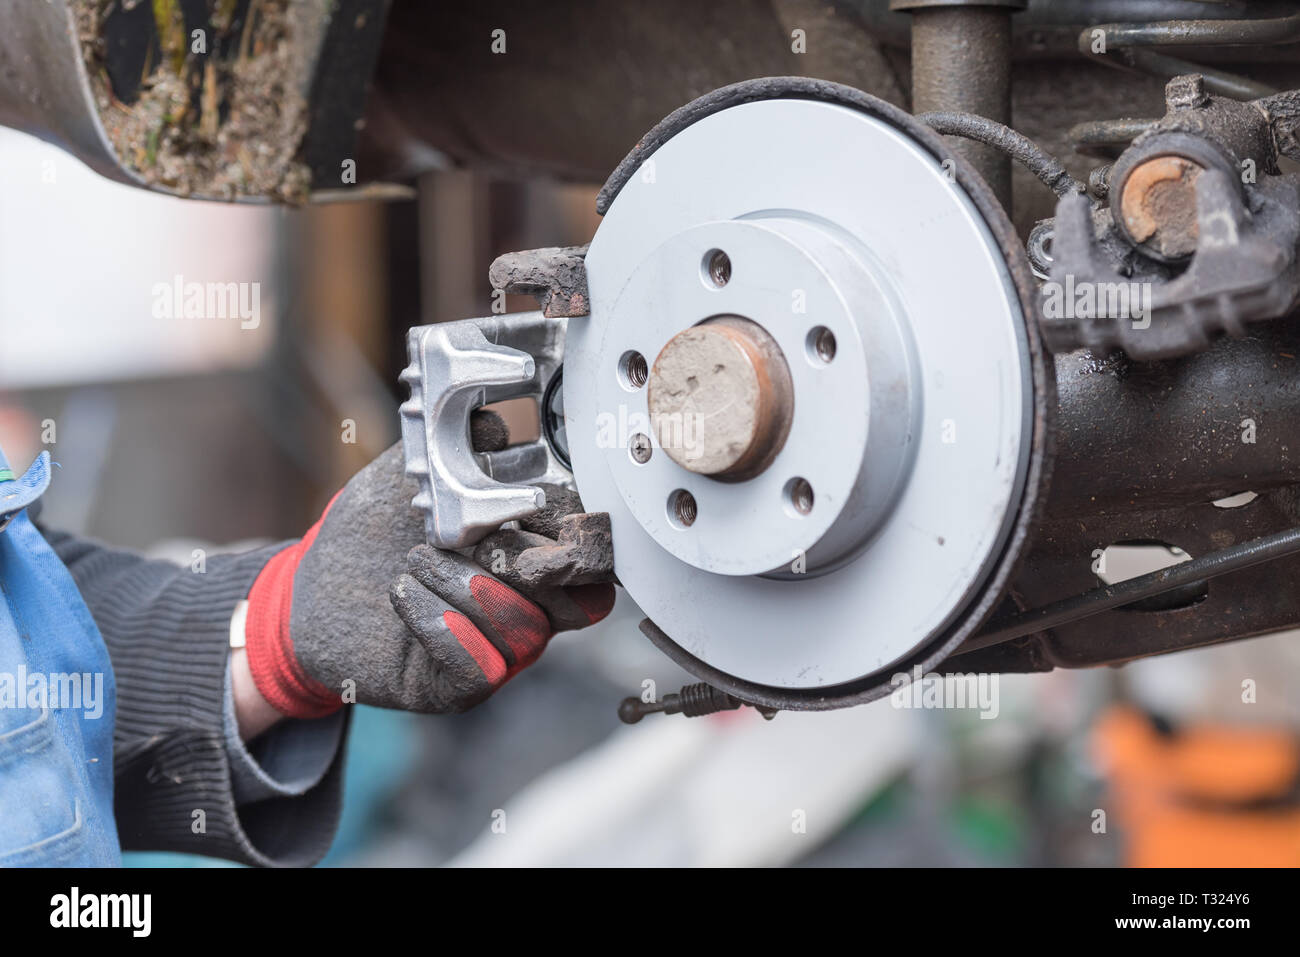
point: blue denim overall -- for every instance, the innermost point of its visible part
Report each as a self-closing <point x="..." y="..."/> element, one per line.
<point x="57" y="699"/>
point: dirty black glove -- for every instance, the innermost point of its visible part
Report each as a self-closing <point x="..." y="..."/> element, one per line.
<point x="361" y="609"/>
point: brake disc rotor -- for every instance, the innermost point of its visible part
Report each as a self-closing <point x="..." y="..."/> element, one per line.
<point x="806" y="392"/>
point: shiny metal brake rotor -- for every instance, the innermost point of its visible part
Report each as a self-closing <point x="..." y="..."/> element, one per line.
<point x="806" y="392"/>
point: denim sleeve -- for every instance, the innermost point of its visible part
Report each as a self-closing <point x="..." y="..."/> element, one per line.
<point x="179" y="786"/>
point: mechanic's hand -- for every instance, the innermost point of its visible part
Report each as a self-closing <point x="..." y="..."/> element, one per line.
<point x="361" y="609"/>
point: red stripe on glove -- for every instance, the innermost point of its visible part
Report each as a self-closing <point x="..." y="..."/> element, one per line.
<point x="480" y="649"/>
<point x="523" y="625"/>
<point x="278" y="674"/>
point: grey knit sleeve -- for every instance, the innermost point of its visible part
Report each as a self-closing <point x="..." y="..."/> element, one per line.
<point x="167" y="628"/>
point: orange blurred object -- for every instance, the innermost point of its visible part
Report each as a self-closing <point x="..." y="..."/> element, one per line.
<point x="1204" y="795"/>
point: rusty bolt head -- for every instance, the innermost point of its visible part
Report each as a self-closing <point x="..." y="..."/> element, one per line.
<point x="1186" y="92"/>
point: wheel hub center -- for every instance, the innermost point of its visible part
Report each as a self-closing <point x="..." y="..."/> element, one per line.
<point x="721" y="399"/>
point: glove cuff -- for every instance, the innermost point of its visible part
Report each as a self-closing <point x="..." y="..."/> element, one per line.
<point x="278" y="674"/>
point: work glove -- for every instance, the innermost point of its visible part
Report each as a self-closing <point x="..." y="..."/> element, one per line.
<point x="361" y="609"/>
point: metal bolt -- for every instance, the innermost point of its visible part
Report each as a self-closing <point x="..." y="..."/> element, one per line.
<point x="1099" y="181"/>
<point x="1039" y="248"/>
<point x="640" y="448"/>
<point x="1186" y="92"/>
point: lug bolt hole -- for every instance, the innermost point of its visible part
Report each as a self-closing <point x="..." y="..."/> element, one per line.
<point x="681" y="509"/>
<point x="717" y="268"/>
<point x="633" y="370"/>
<point x="821" y="345"/>
<point x="799" y="496"/>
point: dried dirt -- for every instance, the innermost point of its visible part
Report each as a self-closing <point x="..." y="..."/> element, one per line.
<point x="210" y="126"/>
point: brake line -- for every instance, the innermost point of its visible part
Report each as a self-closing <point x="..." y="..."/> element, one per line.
<point x="1069" y="610"/>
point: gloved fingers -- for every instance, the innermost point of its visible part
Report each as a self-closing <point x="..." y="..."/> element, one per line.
<point x="499" y="553"/>
<point x="573" y="572"/>
<point x="487" y="431"/>
<point x="594" y="601"/>
<point x="583" y="554"/>
<point x="515" y="626"/>
<point x="463" y="667"/>
<point x="560" y="501"/>
<point x="567" y="608"/>
<point x="576" y="606"/>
